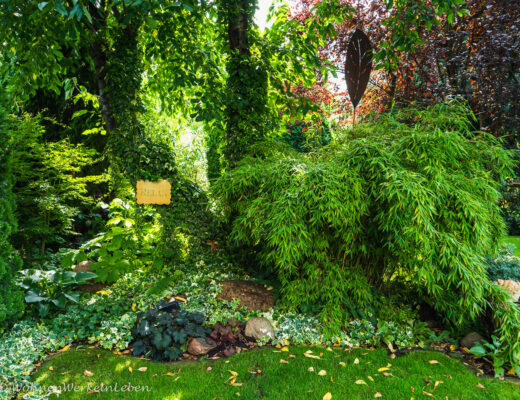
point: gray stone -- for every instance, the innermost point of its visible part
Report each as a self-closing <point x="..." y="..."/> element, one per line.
<point x="471" y="339"/>
<point x="199" y="347"/>
<point x="83" y="266"/>
<point x="258" y="328"/>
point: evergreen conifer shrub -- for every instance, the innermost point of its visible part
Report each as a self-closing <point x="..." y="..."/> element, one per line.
<point x="11" y="298"/>
<point x="413" y="196"/>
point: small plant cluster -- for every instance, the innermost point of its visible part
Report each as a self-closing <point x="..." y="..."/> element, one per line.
<point x="129" y="242"/>
<point x="24" y="345"/>
<point x="305" y="136"/>
<point x="161" y="333"/>
<point x="510" y="207"/>
<point x="504" y="266"/>
<point x="54" y="288"/>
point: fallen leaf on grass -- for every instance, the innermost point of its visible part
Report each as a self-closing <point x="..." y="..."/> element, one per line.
<point x="309" y="355"/>
<point x="427" y="394"/>
<point x="322" y="373"/>
<point x="452" y="347"/>
<point x="481" y="386"/>
<point x="232" y="381"/>
<point x="292" y="356"/>
<point x="433" y="362"/>
<point x="51" y="369"/>
<point x="142" y="369"/>
<point x="88" y="373"/>
<point x="64" y="349"/>
<point x="286" y="342"/>
<point x="360" y="382"/>
<point x="327" y="396"/>
<point x="377" y="394"/>
<point x="383" y="369"/>
<point x="437" y="383"/>
<point x="342" y="364"/>
<point x="285" y="348"/>
<point x="356" y="361"/>
<point x="370" y="379"/>
<point x="387" y="374"/>
<point x="169" y="374"/>
<point x="282" y="361"/>
<point x="93" y="391"/>
<point x="130" y="369"/>
<point x="233" y="372"/>
<point x="311" y="369"/>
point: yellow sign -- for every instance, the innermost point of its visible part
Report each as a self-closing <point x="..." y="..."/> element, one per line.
<point x="154" y="192"/>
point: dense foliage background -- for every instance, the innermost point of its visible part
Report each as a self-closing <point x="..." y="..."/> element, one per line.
<point x="358" y="228"/>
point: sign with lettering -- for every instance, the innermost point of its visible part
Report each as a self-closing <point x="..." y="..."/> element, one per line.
<point x="159" y="192"/>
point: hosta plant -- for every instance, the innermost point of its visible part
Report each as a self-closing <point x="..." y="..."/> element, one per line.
<point x="52" y="289"/>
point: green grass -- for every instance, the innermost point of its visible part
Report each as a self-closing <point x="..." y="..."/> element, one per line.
<point x="209" y="380"/>
<point x="514" y="240"/>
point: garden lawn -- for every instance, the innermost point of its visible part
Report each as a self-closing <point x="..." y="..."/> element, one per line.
<point x="354" y="374"/>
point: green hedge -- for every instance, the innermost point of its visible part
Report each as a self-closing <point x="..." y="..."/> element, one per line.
<point x="11" y="298"/>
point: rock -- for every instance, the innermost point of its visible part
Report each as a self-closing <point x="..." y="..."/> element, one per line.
<point x="258" y="328"/>
<point x="512" y="287"/>
<point x="470" y="339"/>
<point x="199" y="346"/>
<point x="83" y="266"/>
<point x="252" y="295"/>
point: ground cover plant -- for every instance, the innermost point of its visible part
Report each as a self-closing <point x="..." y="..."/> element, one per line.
<point x="312" y="371"/>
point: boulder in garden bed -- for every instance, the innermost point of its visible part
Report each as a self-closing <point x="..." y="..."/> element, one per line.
<point x="84" y="266"/>
<point x="512" y="287"/>
<point x="252" y="295"/>
<point x="199" y="346"/>
<point x="258" y="328"/>
<point x="471" y="339"/>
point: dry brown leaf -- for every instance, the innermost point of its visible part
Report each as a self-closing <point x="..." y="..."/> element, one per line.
<point x="292" y="356"/>
<point x="282" y="361"/>
<point x="142" y="369"/>
<point x="481" y="386"/>
<point x="387" y="374"/>
<point x="427" y="394"/>
<point x="88" y="373"/>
